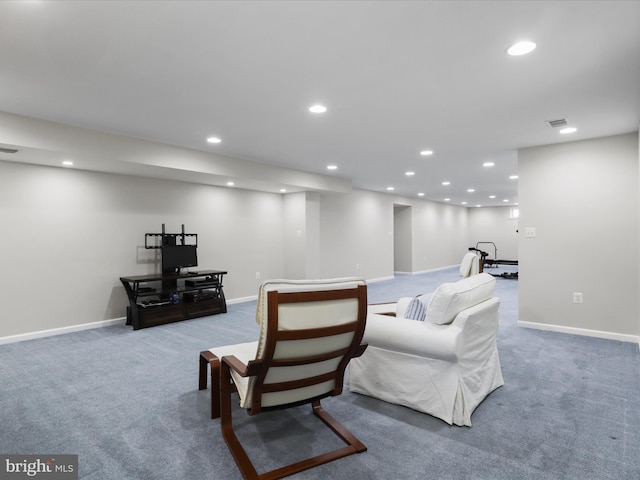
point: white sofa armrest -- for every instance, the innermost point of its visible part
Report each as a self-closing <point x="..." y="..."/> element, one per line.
<point x="401" y="306"/>
<point x="412" y="337"/>
<point x="382" y="308"/>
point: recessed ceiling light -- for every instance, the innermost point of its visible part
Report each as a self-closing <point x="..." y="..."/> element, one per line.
<point x="505" y="200"/>
<point x="488" y="164"/>
<point x="231" y="184"/>
<point x="332" y="167"/>
<point x="478" y="206"/>
<point x="421" y="194"/>
<point x="317" y="109"/>
<point x="564" y="131"/>
<point x="513" y="177"/>
<point x="67" y="163"/>
<point x="492" y="196"/>
<point x="447" y="199"/>
<point x="425" y="153"/>
<point x="446" y="183"/>
<point x="409" y="174"/>
<point x="521" y="48"/>
<point x="464" y="203"/>
<point x="213" y="140"/>
<point x="471" y="190"/>
<point x="390" y="188"/>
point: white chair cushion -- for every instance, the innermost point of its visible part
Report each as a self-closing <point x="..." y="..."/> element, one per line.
<point x="287" y="286"/>
<point x="451" y="298"/>
<point x="466" y="264"/>
<point x="297" y="316"/>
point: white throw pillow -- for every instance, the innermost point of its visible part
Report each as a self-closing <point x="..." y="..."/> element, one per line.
<point x="451" y="298"/>
<point x="416" y="310"/>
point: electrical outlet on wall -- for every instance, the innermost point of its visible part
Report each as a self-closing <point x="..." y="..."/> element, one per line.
<point x="577" y="297"/>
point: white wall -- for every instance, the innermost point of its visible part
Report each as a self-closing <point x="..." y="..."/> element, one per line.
<point x="493" y="224"/>
<point x="312" y="235"/>
<point x="440" y="235"/>
<point x="402" y="235"/>
<point x="294" y="245"/>
<point x="356" y="235"/>
<point x="68" y="235"/>
<point x="71" y="234"/>
<point x="582" y="199"/>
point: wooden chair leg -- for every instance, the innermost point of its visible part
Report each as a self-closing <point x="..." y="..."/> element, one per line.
<point x="205" y="358"/>
<point x="214" y="365"/>
<point x="246" y="467"/>
<point x="209" y="360"/>
<point x="339" y="429"/>
<point x="235" y="447"/>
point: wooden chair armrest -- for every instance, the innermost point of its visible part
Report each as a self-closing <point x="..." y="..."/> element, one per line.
<point x="235" y="364"/>
<point x="208" y="356"/>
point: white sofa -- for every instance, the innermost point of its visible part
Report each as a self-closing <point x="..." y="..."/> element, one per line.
<point x="444" y="365"/>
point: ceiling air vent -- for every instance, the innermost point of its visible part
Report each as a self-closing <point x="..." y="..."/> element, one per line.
<point x="562" y="122"/>
<point x="8" y="150"/>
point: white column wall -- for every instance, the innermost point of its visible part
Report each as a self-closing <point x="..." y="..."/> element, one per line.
<point x="295" y="235"/>
<point x="582" y="199"/>
<point x="403" y="234"/>
<point x="356" y="235"/>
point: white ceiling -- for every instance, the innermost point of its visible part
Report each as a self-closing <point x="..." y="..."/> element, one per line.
<point x="397" y="77"/>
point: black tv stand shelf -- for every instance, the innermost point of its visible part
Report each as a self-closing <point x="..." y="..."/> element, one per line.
<point x="172" y="297"/>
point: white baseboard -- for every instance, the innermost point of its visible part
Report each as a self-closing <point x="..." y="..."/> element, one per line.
<point x="242" y="299"/>
<point x="431" y="270"/>
<point x="104" y="323"/>
<point x="581" y="331"/>
<point x="59" y="331"/>
<point x="380" y="279"/>
<point x="255" y="297"/>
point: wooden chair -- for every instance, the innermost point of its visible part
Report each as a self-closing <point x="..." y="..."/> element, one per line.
<point x="311" y="331"/>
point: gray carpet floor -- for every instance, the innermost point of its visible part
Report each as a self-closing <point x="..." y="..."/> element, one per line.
<point x="127" y="403"/>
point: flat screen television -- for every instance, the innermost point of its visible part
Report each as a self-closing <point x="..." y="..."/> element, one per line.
<point x="175" y="257"/>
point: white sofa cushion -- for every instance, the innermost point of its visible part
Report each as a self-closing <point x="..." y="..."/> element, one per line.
<point x="451" y="298"/>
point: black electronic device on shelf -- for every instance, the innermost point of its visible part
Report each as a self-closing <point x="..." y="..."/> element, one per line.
<point x="179" y="250"/>
<point x="175" y="257"/>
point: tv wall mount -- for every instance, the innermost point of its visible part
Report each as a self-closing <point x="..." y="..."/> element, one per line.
<point x="159" y="240"/>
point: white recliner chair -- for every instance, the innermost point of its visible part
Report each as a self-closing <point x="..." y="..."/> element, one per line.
<point x="439" y="358"/>
<point x="470" y="265"/>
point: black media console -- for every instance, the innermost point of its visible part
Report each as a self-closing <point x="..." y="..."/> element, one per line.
<point x="164" y="298"/>
<point x="175" y="294"/>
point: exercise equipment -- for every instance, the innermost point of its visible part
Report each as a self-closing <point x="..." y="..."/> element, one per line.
<point x="494" y="262"/>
